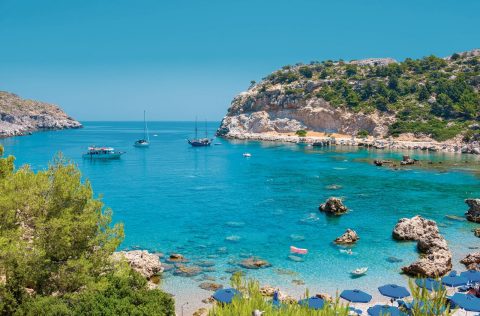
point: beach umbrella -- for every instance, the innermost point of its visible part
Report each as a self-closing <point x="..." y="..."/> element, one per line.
<point x="471" y="275"/>
<point x="312" y="302"/>
<point x="430" y="284"/>
<point x="379" y="310"/>
<point x="467" y="302"/>
<point x="454" y="280"/>
<point x="226" y="295"/>
<point x="393" y="291"/>
<point x="356" y="296"/>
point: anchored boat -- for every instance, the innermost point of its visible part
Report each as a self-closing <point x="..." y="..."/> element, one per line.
<point x="145" y="141"/>
<point x="200" y="142"/>
<point x="102" y="153"/>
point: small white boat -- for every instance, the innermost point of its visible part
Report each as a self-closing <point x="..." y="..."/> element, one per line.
<point x="102" y="153"/>
<point x="247" y="155"/>
<point x="359" y="271"/>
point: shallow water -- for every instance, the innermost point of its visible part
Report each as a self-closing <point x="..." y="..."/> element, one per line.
<point x="212" y="203"/>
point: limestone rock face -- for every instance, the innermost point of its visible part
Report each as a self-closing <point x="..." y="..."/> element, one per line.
<point x="472" y="261"/>
<point x="436" y="259"/>
<point x="19" y="116"/>
<point x="349" y="237"/>
<point x="414" y="228"/>
<point x="142" y="261"/>
<point x="333" y="206"/>
<point x="473" y="213"/>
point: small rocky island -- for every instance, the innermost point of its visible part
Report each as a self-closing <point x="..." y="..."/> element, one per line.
<point x="21" y="116"/>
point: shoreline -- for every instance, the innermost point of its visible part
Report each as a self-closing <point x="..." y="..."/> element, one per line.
<point x="322" y="139"/>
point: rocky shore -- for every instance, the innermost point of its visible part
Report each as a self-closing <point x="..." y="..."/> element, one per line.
<point x="21" y="116"/>
<point x="407" y="142"/>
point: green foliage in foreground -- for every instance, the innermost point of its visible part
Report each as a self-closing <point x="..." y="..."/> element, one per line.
<point x="55" y="244"/>
<point x="426" y="303"/>
<point x="252" y="300"/>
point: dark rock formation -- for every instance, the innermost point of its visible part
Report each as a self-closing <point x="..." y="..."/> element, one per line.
<point x="333" y="206"/>
<point x="473" y="213"/>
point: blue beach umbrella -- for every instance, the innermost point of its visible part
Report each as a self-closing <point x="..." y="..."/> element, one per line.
<point x="471" y="275"/>
<point x="226" y="295"/>
<point x="312" y="302"/>
<point x="379" y="310"/>
<point x="393" y="291"/>
<point x="467" y="302"/>
<point x="454" y="280"/>
<point x="430" y="284"/>
<point x="356" y="296"/>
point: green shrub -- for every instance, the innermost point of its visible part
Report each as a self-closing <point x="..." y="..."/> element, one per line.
<point x="363" y="133"/>
<point x="301" y="133"/>
<point x="56" y="240"/>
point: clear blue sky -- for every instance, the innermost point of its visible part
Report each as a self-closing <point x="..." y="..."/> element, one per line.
<point x="108" y="60"/>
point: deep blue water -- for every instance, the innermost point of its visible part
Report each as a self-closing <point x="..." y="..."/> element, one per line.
<point x="174" y="198"/>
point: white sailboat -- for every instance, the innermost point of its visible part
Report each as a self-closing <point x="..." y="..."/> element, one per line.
<point x="145" y="142"/>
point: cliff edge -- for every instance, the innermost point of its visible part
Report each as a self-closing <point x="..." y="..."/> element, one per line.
<point x="20" y="116"/>
<point x="433" y="98"/>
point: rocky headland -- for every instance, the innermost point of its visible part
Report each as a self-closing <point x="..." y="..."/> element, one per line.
<point x="379" y="102"/>
<point x="21" y="116"/>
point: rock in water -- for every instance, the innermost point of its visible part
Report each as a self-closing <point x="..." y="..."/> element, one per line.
<point x="142" y="261"/>
<point x="472" y="261"/>
<point x="414" y="228"/>
<point x="254" y="263"/>
<point x="19" y="116"/>
<point x="476" y="232"/>
<point x="473" y="213"/>
<point x="436" y="259"/>
<point x="349" y="237"/>
<point x="210" y="286"/>
<point x="333" y="206"/>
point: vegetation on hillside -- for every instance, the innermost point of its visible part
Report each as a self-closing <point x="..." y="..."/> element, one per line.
<point x="429" y="96"/>
<point x="55" y="245"/>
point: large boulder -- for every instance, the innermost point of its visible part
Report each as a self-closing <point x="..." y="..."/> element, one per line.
<point x="142" y="261"/>
<point x="472" y="261"/>
<point x="473" y="213"/>
<point x="436" y="259"/>
<point x="349" y="237"/>
<point x="414" y="228"/>
<point x="333" y="206"/>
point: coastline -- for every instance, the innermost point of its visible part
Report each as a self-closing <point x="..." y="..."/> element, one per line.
<point x="404" y="142"/>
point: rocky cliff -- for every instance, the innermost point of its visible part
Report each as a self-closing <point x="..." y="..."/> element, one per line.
<point x="429" y="97"/>
<point x="20" y="116"/>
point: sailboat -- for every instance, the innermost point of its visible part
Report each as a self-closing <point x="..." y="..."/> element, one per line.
<point x="145" y="142"/>
<point x="200" y="142"/>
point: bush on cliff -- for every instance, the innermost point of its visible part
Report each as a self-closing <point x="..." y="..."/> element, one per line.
<point x="55" y="245"/>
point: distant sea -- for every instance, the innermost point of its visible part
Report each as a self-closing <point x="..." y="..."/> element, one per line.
<point x="213" y="204"/>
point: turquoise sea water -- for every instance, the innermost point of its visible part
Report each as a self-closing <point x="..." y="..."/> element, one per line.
<point x="174" y="198"/>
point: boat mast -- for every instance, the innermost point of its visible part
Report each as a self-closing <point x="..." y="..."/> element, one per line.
<point x="196" y="129"/>
<point x="145" y="128"/>
<point x="206" y="132"/>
